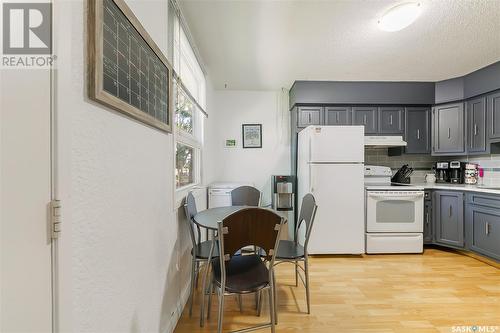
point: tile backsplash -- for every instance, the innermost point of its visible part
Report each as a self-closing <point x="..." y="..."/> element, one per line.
<point x="491" y="166"/>
<point x="422" y="164"/>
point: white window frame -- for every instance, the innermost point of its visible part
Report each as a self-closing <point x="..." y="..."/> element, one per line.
<point x="194" y="140"/>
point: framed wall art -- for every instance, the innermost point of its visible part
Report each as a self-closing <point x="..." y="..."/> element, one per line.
<point x="252" y="135"/>
<point x="126" y="69"/>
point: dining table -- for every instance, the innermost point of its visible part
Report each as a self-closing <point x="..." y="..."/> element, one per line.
<point x="209" y="218"/>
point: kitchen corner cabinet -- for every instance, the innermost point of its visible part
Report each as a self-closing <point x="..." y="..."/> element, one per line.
<point x="448" y="129"/>
<point x="417" y="130"/>
<point x="476" y="126"/>
<point x="482" y="219"/>
<point x="309" y="115"/>
<point x="338" y="115"/>
<point x="449" y="218"/>
<point x="493" y="104"/>
<point x="391" y="120"/>
<point x="367" y="116"/>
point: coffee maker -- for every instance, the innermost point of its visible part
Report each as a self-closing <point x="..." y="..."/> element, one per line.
<point x="442" y="170"/>
<point x="457" y="172"/>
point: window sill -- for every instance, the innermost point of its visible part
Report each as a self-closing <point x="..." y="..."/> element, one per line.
<point x="181" y="192"/>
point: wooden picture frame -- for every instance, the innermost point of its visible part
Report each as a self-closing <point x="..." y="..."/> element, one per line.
<point x="154" y="116"/>
<point x="251" y="135"/>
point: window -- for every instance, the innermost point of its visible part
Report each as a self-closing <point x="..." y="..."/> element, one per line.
<point x="188" y="138"/>
<point x="184" y="112"/>
<point x="184" y="171"/>
<point x="188" y="96"/>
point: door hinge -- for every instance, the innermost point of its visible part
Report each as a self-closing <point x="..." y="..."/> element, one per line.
<point x="55" y="218"/>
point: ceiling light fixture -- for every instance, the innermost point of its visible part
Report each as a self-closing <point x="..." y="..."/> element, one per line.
<point x="399" y="17"/>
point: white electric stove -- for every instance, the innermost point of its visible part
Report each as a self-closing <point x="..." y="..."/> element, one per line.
<point x="394" y="213"/>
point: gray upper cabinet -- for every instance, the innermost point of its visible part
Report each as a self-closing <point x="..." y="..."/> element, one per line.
<point x="367" y="116"/>
<point x="449" y="218"/>
<point x="309" y="115"/>
<point x="476" y="125"/>
<point x="338" y="115"/>
<point x="448" y="129"/>
<point x="493" y="103"/>
<point x="391" y="120"/>
<point x="417" y="130"/>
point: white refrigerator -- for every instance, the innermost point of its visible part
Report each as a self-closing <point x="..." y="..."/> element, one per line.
<point x="330" y="165"/>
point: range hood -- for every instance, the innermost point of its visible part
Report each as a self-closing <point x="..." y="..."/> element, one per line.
<point x="385" y="141"/>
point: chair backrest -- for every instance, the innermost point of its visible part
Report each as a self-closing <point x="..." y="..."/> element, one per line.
<point x="245" y="196"/>
<point x="307" y="215"/>
<point x="250" y="226"/>
<point x="191" y="211"/>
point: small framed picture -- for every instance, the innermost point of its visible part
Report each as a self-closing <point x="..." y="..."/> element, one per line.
<point x="252" y="135"/>
<point x="230" y="143"/>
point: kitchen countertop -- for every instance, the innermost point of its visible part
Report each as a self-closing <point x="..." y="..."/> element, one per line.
<point x="455" y="187"/>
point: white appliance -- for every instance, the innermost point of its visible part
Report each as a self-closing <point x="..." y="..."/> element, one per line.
<point x="219" y="193"/>
<point x="385" y="141"/>
<point x="330" y="166"/>
<point x="394" y="214"/>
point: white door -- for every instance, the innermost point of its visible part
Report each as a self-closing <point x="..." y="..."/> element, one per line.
<point x="26" y="293"/>
<point x="337" y="144"/>
<point x="339" y="224"/>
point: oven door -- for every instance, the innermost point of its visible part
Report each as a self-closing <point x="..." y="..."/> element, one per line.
<point x="394" y="211"/>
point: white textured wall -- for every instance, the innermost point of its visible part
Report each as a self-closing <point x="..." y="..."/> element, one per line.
<point x="123" y="250"/>
<point x="230" y="110"/>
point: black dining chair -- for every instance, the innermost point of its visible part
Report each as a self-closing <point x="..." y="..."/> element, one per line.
<point x="293" y="251"/>
<point x="200" y="252"/>
<point x="244" y="274"/>
<point x="245" y="196"/>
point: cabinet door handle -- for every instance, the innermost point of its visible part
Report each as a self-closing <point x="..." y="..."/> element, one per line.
<point x="390" y="119"/>
<point x="449" y="133"/>
<point x="427" y="220"/>
<point x="475" y="129"/>
<point x="309" y="117"/>
<point x="450" y="213"/>
<point x="418" y="134"/>
<point x="364" y="119"/>
<point x="337" y="117"/>
<point x="487" y="226"/>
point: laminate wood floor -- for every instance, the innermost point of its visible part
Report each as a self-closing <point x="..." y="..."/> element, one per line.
<point x="439" y="291"/>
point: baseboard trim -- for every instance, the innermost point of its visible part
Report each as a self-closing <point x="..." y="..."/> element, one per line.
<point x="179" y="309"/>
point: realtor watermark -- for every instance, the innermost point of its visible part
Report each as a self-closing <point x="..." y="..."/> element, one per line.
<point x="26" y="35"/>
<point x="475" y="329"/>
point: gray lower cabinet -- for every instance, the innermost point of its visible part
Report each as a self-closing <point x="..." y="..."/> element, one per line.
<point x="449" y="218"/>
<point x="482" y="220"/>
<point x="493" y="104"/>
<point x="338" y="115"/>
<point x="417" y="130"/>
<point x="309" y="115"/>
<point x="367" y="116"/>
<point x="476" y="126"/>
<point x="391" y="120"/>
<point x="448" y="129"/>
